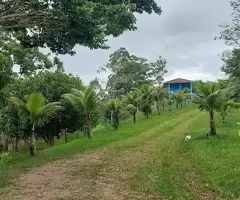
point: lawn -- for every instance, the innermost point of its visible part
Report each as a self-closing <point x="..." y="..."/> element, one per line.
<point x="217" y="159"/>
<point x="155" y="155"/>
<point x="20" y="162"/>
<point x="204" y="167"/>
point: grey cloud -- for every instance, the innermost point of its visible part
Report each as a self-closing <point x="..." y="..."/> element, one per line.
<point x="183" y="35"/>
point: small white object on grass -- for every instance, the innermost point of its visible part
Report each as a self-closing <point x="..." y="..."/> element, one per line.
<point x="188" y="137"/>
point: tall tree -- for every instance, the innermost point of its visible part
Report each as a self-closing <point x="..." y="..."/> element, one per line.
<point x="231" y="32"/>
<point x="38" y="113"/>
<point x="231" y="63"/>
<point x="61" y="24"/>
<point x="231" y="67"/>
<point x="28" y="60"/>
<point x="158" y="70"/>
<point x="128" y="72"/>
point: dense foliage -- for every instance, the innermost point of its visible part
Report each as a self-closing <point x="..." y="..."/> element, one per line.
<point x="231" y="31"/>
<point x="61" y="24"/>
<point x="52" y="85"/>
<point x="128" y="72"/>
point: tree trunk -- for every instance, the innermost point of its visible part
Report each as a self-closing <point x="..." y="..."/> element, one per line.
<point x="112" y="120"/>
<point x="163" y="107"/>
<point x="33" y="147"/>
<point x="134" y="117"/>
<point x="65" y="135"/>
<point x="6" y="144"/>
<point x="147" y="114"/>
<point x="158" y="109"/>
<point x="212" y="124"/>
<point x="13" y="144"/>
<point x="16" y="143"/>
<point x="53" y="140"/>
<point x="89" y="132"/>
<point x="46" y="139"/>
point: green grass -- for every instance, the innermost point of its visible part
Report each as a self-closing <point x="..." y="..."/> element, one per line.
<point x="20" y="162"/>
<point x="204" y="166"/>
<point x="165" y="172"/>
<point x="217" y="159"/>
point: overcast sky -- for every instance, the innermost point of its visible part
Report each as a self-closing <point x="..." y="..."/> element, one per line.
<point x="183" y="34"/>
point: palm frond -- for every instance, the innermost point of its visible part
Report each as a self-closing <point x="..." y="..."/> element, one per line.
<point x="200" y="101"/>
<point x="131" y="108"/>
<point x="170" y="102"/>
<point x="131" y="99"/>
<point x="208" y="97"/>
<point x="114" y="104"/>
<point x="18" y="102"/>
<point x="233" y="104"/>
<point x="77" y="93"/>
<point x="159" y="94"/>
<point x="214" y="101"/>
<point x="89" y="99"/>
<point x="35" y="102"/>
<point x="74" y="100"/>
<point x="47" y="112"/>
<point x="85" y="98"/>
<point x="178" y="97"/>
<point x="205" y="89"/>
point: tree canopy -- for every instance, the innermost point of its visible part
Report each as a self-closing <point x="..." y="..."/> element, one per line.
<point x="231" y="64"/>
<point x="128" y="72"/>
<point x="27" y="60"/>
<point x="61" y="24"/>
<point x="231" y="32"/>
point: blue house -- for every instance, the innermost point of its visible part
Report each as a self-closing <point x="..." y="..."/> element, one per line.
<point x="179" y="84"/>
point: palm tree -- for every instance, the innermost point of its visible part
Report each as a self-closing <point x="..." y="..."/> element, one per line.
<point x="38" y="113"/>
<point x="224" y="107"/>
<point x="113" y="107"/>
<point x="178" y="99"/>
<point x="159" y="96"/>
<point x="170" y="103"/>
<point x="146" y="99"/>
<point x="87" y="100"/>
<point x="132" y="101"/>
<point x="208" y="99"/>
<point x="186" y="94"/>
<point x="227" y="102"/>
